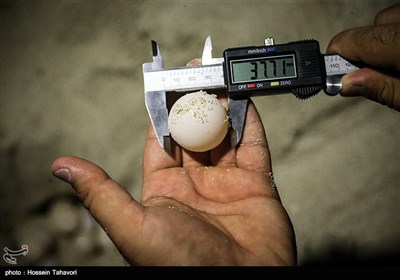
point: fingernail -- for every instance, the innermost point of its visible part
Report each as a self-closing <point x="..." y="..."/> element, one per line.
<point x="351" y="86"/>
<point x="194" y="62"/>
<point x="63" y="174"/>
<point x="353" y="90"/>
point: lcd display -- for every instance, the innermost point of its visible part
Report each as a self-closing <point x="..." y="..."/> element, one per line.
<point x="263" y="69"/>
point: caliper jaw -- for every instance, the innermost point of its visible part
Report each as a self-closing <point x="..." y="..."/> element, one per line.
<point x="237" y="108"/>
<point x="156" y="102"/>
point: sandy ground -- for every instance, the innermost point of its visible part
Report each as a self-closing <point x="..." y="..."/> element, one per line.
<point x="71" y="83"/>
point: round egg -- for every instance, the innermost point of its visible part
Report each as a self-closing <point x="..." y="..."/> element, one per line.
<point x="198" y="122"/>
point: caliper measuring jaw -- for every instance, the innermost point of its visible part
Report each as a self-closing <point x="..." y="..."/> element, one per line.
<point x="156" y="101"/>
<point x="211" y="76"/>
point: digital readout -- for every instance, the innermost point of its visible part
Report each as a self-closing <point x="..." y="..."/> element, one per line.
<point x="263" y="69"/>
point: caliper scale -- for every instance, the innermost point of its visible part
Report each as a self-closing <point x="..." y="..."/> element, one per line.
<point x="295" y="67"/>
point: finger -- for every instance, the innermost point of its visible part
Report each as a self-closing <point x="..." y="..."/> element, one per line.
<point x="155" y="157"/>
<point x="113" y="208"/>
<point x="224" y="155"/>
<point x="195" y="159"/>
<point x="374" y="85"/>
<point x="388" y="15"/>
<point x="253" y="155"/>
<point x="232" y="184"/>
<point x="375" y="45"/>
<point x="253" y="152"/>
<point x="194" y="62"/>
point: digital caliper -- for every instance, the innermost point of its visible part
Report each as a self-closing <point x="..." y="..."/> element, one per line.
<point x="296" y="67"/>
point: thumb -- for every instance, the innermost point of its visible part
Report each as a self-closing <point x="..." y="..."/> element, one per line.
<point x="374" y="85"/>
<point x="113" y="207"/>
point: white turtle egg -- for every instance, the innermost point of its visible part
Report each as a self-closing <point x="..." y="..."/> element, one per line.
<point x="198" y="122"/>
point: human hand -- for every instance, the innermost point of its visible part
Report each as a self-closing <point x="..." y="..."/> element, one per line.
<point x="214" y="208"/>
<point x="378" y="46"/>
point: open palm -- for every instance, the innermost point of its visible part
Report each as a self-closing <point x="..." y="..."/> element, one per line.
<point x="215" y="208"/>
